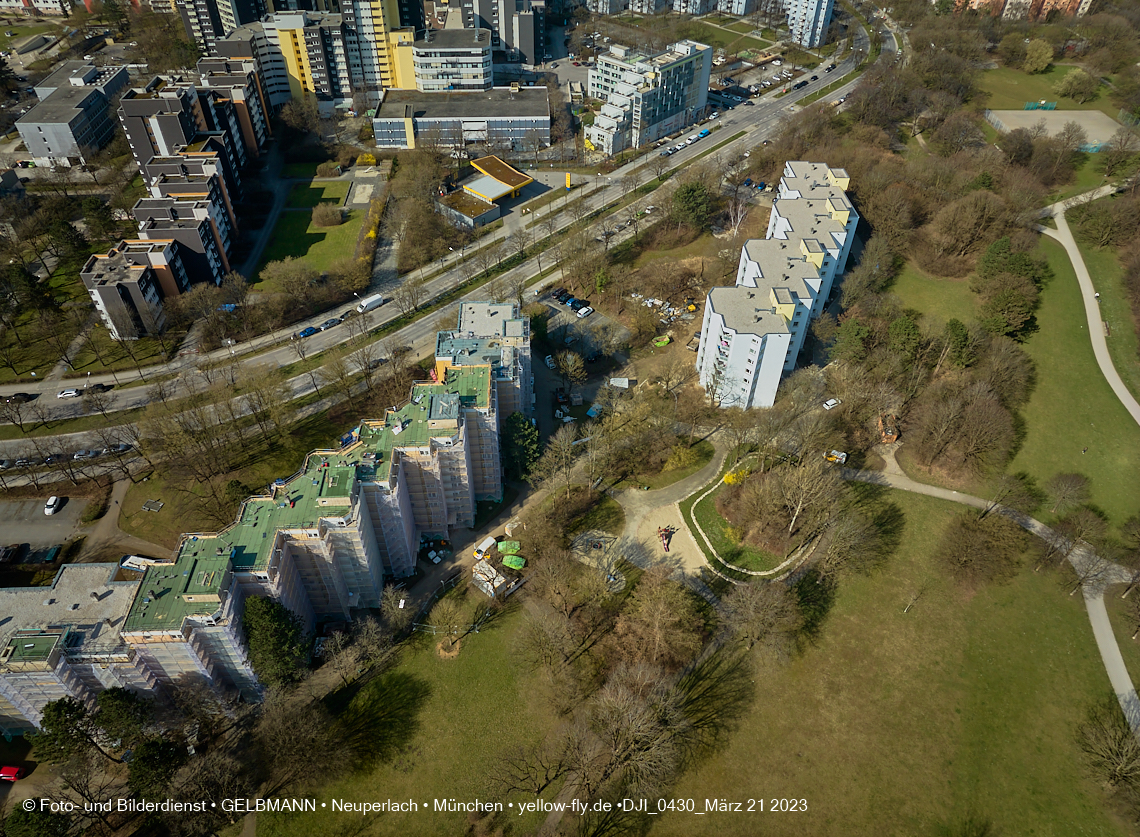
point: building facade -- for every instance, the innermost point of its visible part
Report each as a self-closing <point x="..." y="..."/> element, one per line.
<point x="73" y="118"/>
<point x="752" y="332"/>
<point x="809" y="21"/>
<point x="452" y="59"/>
<point x="694" y="7"/>
<point x="650" y="7"/>
<point x="129" y="282"/>
<point x="647" y="96"/>
<point x="499" y="118"/>
<point x="517" y="27"/>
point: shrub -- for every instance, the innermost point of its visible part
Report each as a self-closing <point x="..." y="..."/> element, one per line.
<point x="326" y="215"/>
<point x="738" y="476"/>
<point x="328" y="169"/>
<point x="682" y="456"/>
<point x="366" y="159"/>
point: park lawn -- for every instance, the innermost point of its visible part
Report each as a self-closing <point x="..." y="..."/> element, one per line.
<point x="295" y="235"/>
<point x="898" y="724"/>
<point x="449" y="719"/>
<point x="751" y="43"/>
<point x="1087" y="176"/>
<point x="1072" y="406"/>
<point x="714" y="36"/>
<point x="300" y="170"/>
<point x="741" y="27"/>
<point x="937" y="300"/>
<point x="716" y="527"/>
<point x="148" y="350"/>
<point x="308" y="195"/>
<point x="1124" y="347"/>
<point x="606" y="514"/>
<point x="1010" y="89"/>
<point x="705" y="453"/>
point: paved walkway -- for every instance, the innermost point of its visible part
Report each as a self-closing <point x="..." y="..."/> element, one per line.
<point x="1064" y="236"/>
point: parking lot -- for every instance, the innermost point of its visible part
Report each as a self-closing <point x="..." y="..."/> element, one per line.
<point x="24" y="521"/>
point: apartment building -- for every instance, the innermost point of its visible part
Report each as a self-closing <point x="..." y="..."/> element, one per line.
<point x="452" y="59"/>
<point x="494" y="335"/>
<point x="647" y="95"/>
<point x="1026" y="9"/>
<point x="607" y="7"/>
<point x="73" y="117"/>
<point x="809" y="21"/>
<point x="740" y="8"/>
<point x="201" y="228"/>
<point x="694" y="7"/>
<point x="209" y="21"/>
<point x="650" y="7"/>
<point x="130" y="281"/>
<point x="752" y="333"/>
<point x="63" y="640"/>
<point x="517" y="27"/>
<point x="237" y="83"/>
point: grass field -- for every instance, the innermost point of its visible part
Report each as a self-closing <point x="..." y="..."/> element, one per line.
<point x="1010" y="89"/>
<point x="307" y="195"/>
<point x="898" y="724"/>
<point x="298" y="170"/>
<point x="295" y="235"/>
<point x="939" y="300"/>
<point x="705" y="452"/>
<point x="1072" y="405"/>
<point x="607" y="515"/>
<point x="715" y="526"/>
<point x="439" y="723"/>
<point x="741" y="27"/>
<point x="1123" y="345"/>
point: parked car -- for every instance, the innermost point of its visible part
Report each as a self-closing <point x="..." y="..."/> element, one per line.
<point x="593" y="357"/>
<point x="550" y="362"/>
<point x="815" y="78"/>
<point x="83" y="454"/>
<point x="52" y="505"/>
<point x="579" y="304"/>
<point x="53" y="458"/>
<point x="12" y="774"/>
<point x="5" y="464"/>
<point x="569" y="301"/>
<point x="327" y="324"/>
<point x="831" y="403"/>
<point x="27" y="463"/>
<point x="308" y="332"/>
<point x="69" y="393"/>
<point x="585" y="312"/>
<point x="120" y="448"/>
<point x="21" y="397"/>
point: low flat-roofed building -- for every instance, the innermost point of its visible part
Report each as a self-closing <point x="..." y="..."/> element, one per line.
<point x="72" y="119"/>
<point x="501" y="117"/>
<point x="63" y="640"/>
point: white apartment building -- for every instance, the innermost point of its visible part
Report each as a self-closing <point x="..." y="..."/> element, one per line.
<point x="649" y="7"/>
<point x="453" y="59"/>
<point x="647" y="96"/>
<point x="693" y="7"/>
<point x="752" y="332"/>
<point x="607" y="7"/>
<point x="809" y="20"/>
<point x="736" y="7"/>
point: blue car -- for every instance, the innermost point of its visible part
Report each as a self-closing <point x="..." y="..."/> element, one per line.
<point x="569" y="301"/>
<point x="308" y="332"/>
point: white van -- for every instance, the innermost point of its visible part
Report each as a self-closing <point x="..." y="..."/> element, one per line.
<point x="370" y="302"/>
<point x="484" y="548"/>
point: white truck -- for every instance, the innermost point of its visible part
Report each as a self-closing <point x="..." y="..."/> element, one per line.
<point x="370" y="302"/>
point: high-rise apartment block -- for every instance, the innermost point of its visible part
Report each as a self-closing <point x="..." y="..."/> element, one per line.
<point x="809" y="20"/>
<point x="1026" y="9"/>
<point x="321" y="541"/>
<point x="517" y="27"/>
<point x="752" y="333"/>
<point x="647" y="95"/>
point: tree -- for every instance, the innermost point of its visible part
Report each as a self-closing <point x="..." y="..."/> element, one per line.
<point x="691" y="205"/>
<point x="1038" y="57"/>
<point x="556" y="465"/>
<point x="67" y="730"/>
<point x="97" y="215"/>
<point x="301" y="115"/>
<point x="1119" y="150"/>
<point x="122" y="714"/>
<point x="1078" y="86"/>
<point x="660" y="624"/>
<point x="850" y="341"/>
<point x="905" y="337"/>
<point x="529" y="768"/>
<point x="979" y="549"/>
<point x="763" y="613"/>
<point x="295" y="741"/>
<point x="520" y="445"/>
<point x="1111" y="748"/>
<point x="65" y="239"/>
<point x="1067" y="491"/>
<point x="394" y="608"/>
<point x="410" y="294"/>
<point x="571" y="368"/>
<point x="277" y="641"/>
<point x="153" y="766"/>
<point x="36" y="823"/>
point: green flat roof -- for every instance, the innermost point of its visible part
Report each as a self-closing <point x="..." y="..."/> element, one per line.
<point x="31" y="648"/>
<point x="322" y="488"/>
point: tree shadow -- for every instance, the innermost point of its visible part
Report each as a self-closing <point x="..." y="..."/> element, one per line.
<point x="715" y="694"/>
<point x="380" y="716"/>
<point x="816" y="597"/>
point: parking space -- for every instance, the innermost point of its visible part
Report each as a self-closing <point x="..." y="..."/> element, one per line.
<point x="24" y="521"/>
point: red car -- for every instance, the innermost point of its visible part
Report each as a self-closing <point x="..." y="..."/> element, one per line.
<point x="12" y="774"/>
<point x="575" y="63"/>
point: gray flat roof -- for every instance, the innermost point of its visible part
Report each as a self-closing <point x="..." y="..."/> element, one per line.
<point x="62" y="106"/>
<point x="82" y="594"/>
<point x="746" y="310"/>
<point x="498" y="101"/>
<point x="455" y="39"/>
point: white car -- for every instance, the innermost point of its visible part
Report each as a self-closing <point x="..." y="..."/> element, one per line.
<point x="585" y="312"/>
<point x="550" y="362"/>
<point x="777" y="63"/>
<point x="52" y="506"/>
<point x="69" y="393"/>
<point x="831" y="403"/>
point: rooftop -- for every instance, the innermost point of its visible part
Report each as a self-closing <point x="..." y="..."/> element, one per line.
<point x="491" y="319"/>
<point x="500" y="101"/>
<point x="747" y="310"/>
<point x="454" y="39"/>
<point x="115" y="266"/>
<point x="492" y="166"/>
<point x="80" y="594"/>
<point x="63" y="105"/>
<point x="469" y="205"/>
